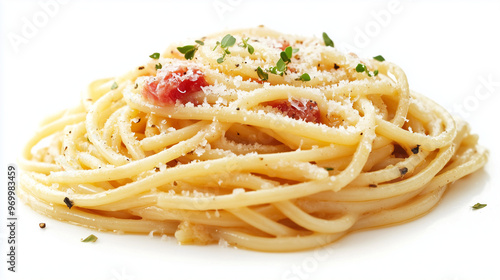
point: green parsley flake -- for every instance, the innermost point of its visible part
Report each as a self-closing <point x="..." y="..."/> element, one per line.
<point x="287" y="55"/>
<point x="227" y="41"/>
<point x="478" y="206"/>
<point x="327" y="40"/>
<point x="283" y="58"/>
<point x="190" y="54"/>
<point x="305" y="77"/>
<point x="281" y="66"/>
<point x="250" y="49"/>
<point x="155" y="55"/>
<point x="158" y="66"/>
<point x="114" y="85"/>
<point x="216" y="45"/>
<point x="186" y="48"/>
<point x="189" y="50"/>
<point x="360" y="68"/>
<point x="247" y="46"/>
<point x="379" y="58"/>
<point x="262" y="75"/>
<point x="90" y="238"/>
<point x="273" y="70"/>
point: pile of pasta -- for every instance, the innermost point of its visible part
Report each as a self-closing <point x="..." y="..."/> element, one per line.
<point x="226" y="140"/>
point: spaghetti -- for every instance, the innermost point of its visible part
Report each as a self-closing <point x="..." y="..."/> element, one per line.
<point x="262" y="140"/>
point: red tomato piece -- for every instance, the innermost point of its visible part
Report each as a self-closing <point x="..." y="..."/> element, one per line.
<point x="299" y="109"/>
<point x="174" y="83"/>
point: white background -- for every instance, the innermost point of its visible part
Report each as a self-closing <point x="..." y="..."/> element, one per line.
<point x="449" y="50"/>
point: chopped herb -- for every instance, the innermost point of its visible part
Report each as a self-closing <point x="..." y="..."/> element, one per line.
<point x="250" y="49"/>
<point x="158" y="66"/>
<point x="283" y="58"/>
<point x="227" y="41"/>
<point x="335" y="66"/>
<point x="281" y="66"/>
<point x="140" y="68"/>
<point x="478" y="206"/>
<point x="262" y="75"/>
<point x="186" y="48"/>
<point x="403" y="171"/>
<point x="328" y="168"/>
<point x="289" y="52"/>
<point x="216" y="45"/>
<point x="327" y="40"/>
<point x="190" y="54"/>
<point x="155" y="55"/>
<point x="379" y="58"/>
<point x="286" y="55"/>
<point x="372" y="185"/>
<point x="247" y="46"/>
<point x="221" y="59"/>
<point x="415" y="150"/>
<point x="360" y="68"/>
<point x="114" y="85"/>
<point x="68" y="202"/>
<point x="41" y="225"/>
<point x="190" y="50"/>
<point x="305" y="77"/>
<point x="90" y="238"/>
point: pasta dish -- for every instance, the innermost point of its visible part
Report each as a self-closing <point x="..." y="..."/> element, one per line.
<point x="252" y="138"/>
